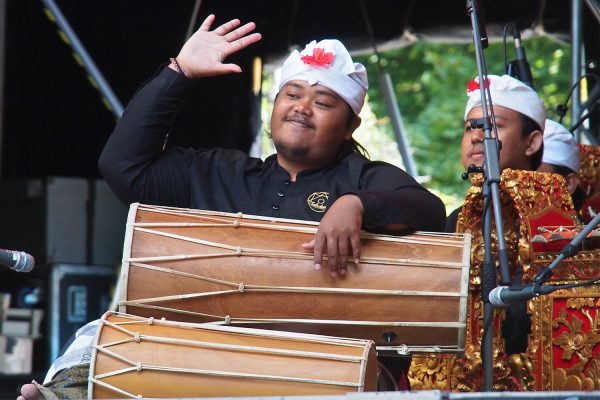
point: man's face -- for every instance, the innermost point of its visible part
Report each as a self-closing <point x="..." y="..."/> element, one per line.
<point x="516" y="149"/>
<point x="309" y="123"/>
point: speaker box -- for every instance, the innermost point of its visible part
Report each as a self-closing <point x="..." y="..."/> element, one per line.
<point x="46" y="217"/>
<point x="109" y="217"/>
<point x="78" y="294"/>
<point x="62" y="220"/>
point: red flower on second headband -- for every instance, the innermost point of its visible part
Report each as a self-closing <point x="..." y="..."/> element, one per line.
<point x="320" y="58"/>
<point x="473" y="85"/>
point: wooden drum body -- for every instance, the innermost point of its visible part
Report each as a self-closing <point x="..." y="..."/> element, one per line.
<point x="408" y="293"/>
<point x="135" y="356"/>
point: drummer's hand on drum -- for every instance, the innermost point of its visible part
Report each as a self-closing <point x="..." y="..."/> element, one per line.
<point x="203" y="54"/>
<point x="338" y="235"/>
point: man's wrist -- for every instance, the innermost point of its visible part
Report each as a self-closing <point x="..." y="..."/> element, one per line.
<point x="175" y="66"/>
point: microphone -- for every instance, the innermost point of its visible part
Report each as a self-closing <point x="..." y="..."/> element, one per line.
<point x="503" y="296"/>
<point x="17" y="260"/>
<point x="523" y="68"/>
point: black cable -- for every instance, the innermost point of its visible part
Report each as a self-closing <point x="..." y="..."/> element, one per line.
<point x="512" y="25"/>
<point x="292" y="24"/>
<point x="363" y="9"/>
<point x="582" y="119"/>
<point x="562" y="109"/>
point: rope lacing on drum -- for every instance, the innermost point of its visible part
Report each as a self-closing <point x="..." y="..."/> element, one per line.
<point x="236" y="223"/>
<point x="138" y="366"/>
<point x="137" y="337"/>
<point x="227" y="320"/>
<point x="238" y="251"/>
<point x="150" y="320"/>
<point x="403" y="350"/>
<point x="241" y="287"/>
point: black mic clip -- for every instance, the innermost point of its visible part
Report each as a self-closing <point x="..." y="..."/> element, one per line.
<point x="471" y="169"/>
<point x="561" y="110"/>
<point x="476" y="123"/>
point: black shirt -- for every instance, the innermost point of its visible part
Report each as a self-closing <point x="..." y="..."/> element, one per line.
<point x="452" y="219"/>
<point x="138" y="170"/>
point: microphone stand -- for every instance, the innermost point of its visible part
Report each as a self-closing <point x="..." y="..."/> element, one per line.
<point x="491" y="172"/>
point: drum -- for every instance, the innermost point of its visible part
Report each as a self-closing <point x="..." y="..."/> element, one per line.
<point x="408" y="293"/>
<point x="150" y="358"/>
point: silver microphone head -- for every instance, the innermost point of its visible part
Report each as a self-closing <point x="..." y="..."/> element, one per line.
<point x="25" y="262"/>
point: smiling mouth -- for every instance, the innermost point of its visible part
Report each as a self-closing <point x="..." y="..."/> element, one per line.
<point x="304" y="122"/>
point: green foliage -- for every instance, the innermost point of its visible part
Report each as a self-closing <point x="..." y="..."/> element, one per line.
<point x="430" y="84"/>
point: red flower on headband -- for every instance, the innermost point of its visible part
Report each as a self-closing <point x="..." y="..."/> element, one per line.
<point x="320" y="58"/>
<point x="474" y="85"/>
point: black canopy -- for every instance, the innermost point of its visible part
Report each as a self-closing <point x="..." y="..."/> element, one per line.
<point x="55" y="122"/>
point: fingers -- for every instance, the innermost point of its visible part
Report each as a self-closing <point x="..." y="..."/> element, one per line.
<point x="239" y="32"/>
<point x="226" y="27"/>
<point x="318" y="246"/>
<point x="244" y="42"/>
<point x="356" y="248"/>
<point x="343" y="256"/>
<point x="338" y="251"/>
<point x="30" y="392"/>
<point x="332" y="257"/>
<point x="337" y="254"/>
<point x="206" y="24"/>
<point x="309" y="245"/>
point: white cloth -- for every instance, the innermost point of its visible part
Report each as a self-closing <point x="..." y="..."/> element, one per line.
<point x="329" y="64"/>
<point x="560" y="147"/>
<point x="511" y="93"/>
<point x="78" y="352"/>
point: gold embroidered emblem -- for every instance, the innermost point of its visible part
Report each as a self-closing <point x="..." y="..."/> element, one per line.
<point x="317" y="200"/>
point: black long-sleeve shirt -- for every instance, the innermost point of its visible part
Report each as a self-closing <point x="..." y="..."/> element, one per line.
<point x="138" y="170"/>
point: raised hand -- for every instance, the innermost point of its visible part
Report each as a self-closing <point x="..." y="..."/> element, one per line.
<point x="203" y="54"/>
<point x="338" y="235"/>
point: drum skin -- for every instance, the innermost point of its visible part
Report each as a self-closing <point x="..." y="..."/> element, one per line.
<point x="200" y="266"/>
<point x="135" y="356"/>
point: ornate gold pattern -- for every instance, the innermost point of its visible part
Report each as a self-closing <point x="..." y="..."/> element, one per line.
<point x="567" y="324"/>
<point x="589" y="172"/>
<point x="520" y="198"/>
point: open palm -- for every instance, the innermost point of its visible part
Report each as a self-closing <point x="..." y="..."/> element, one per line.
<point x="203" y="54"/>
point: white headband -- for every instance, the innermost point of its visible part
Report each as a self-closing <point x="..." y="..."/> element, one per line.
<point x="329" y="64"/>
<point x="508" y="92"/>
<point x="560" y="147"/>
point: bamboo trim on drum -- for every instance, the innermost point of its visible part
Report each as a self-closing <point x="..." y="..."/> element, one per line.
<point x="442" y="324"/>
<point x="167" y="309"/>
<point x="241" y="287"/>
<point x="137" y="337"/>
<point x="241" y="251"/>
<point x="138" y="366"/>
<point x="228" y="320"/>
<point x="141" y="367"/>
<point x="113" y="388"/>
<point x="417" y="237"/>
<point x="315" y="338"/>
<point x="405" y="349"/>
<point x="464" y="287"/>
<point x="287" y="228"/>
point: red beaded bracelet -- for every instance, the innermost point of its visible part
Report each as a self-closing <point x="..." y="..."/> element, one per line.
<point x="179" y="69"/>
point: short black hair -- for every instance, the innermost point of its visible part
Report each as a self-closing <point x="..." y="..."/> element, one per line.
<point x="528" y="125"/>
